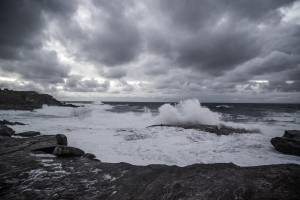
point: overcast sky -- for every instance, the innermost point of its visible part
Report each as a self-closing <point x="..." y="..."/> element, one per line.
<point x="214" y="50"/>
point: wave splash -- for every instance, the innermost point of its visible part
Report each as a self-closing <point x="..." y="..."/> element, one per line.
<point x="186" y="112"/>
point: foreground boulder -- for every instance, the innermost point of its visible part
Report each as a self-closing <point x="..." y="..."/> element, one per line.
<point x="65" y="151"/>
<point x="61" y="139"/>
<point x="27" y="175"/>
<point x="289" y="143"/>
<point x="29" y="134"/>
<point x="6" y="131"/>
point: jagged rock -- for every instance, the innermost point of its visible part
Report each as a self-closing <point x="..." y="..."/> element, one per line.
<point x="6" y="131"/>
<point x="65" y="151"/>
<point x="29" y="134"/>
<point x="218" y="130"/>
<point x="26" y="100"/>
<point x="89" y="156"/>
<point x="24" y="175"/>
<point x="289" y="143"/>
<point x="5" y="122"/>
<point x="292" y="134"/>
<point x="61" y="139"/>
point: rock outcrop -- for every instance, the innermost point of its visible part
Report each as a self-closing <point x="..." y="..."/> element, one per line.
<point x="5" y="122"/>
<point x="292" y="134"/>
<point x="6" y="131"/>
<point x="27" y="173"/>
<point x="218" y="130"/>
<point x="289" y="143"/>
<point x="26" y="100"/>
<point x="61" y="139"/>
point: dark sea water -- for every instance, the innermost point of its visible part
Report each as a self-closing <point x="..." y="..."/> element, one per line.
<point x="237" y="112"/>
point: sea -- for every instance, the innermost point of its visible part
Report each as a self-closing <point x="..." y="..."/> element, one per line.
<point x="121" y="131"/>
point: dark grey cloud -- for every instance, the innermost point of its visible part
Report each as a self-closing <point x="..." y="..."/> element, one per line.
<point x="40" y="66"/>
<point x="113" y="39"/>
<point x="21" y="39"/>
<point x="216" y="36"/>
<point x="21" y="24"/>
<point x="172" y="47"/>
<point x="78" y="84"/>
<point x="113" y="73"/>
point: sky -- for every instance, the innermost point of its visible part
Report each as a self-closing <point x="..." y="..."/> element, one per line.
<point x="152" y="50"/>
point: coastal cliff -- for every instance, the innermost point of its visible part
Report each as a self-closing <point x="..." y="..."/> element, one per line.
<point x="26" y="100"/>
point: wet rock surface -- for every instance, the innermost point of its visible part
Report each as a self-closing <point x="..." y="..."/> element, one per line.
<point x="218" y="130"/>
<point x="26" y="100"/>
<point x="28" y="134"/>
<point x="65" y="151"/>
<point x="5" y="122"/>
<point x="27" y="173"/>
<point x="292" y="134"/>
<point x="6" y="131"/>
<point x="289" y="143"/>
<point x="61" y="139"/>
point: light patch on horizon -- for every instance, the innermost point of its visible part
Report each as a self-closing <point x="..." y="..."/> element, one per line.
<point x="260" y="81"/>
<point x="289" y="82"/>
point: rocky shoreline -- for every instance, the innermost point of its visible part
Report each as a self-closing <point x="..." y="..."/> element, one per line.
<point x="37" y="167"/>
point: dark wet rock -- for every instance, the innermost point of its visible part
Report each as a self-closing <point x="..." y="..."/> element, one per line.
<point x="6" y="131"/>
<point x="292" y="134"/>
<point x="9" y="145"/>
<point x="288" y="144"/>
<point x="61" y="139"/>
<point x="89" y="156"/>
<point x="28" y="134"/>
<point x="27" y="175"/>
<point x="65" y="151"/>
<point x="218" y="130"/>
<point x="70" y="105"/>
<point x="26" y="100"/>
<point x="48" y="150"/>
<point x="5" y="122"/>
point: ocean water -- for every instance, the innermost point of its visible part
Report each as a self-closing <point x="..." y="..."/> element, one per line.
<point x="119" y="132"/>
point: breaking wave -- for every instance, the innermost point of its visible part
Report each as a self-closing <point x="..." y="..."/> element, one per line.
<point x="187" y="112"/>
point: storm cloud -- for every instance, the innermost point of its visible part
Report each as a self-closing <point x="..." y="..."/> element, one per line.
<point x="214" y="50"/>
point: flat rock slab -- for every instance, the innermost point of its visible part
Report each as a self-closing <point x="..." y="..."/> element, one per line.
<point x="28" y="134"/>
<point x="218" y="130"/>
<point x="5" y="122"/>
<point x="65" y="151"/>
<point x="26" y="175"/>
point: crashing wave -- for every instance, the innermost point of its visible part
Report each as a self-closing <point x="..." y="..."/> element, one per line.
<point x="187" y="112"/>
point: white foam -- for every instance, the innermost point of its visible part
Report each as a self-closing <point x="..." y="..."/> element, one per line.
<point x="187" y="112"/>
<point x="123" y="137"/>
